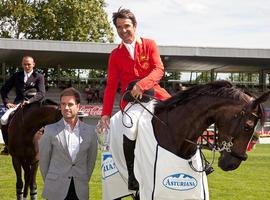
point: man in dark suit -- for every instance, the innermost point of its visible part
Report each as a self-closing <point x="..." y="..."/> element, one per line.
<point x="29" y="87"/>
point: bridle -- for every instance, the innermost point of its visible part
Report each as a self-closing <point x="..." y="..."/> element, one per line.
<point x="242" y="117"/>
<point x="228" y="145"/>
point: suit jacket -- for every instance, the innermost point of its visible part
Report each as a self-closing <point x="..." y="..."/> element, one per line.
<point x="36" y="81"/>
<point x="146" y="66"/>
<point x="57" y="167"/>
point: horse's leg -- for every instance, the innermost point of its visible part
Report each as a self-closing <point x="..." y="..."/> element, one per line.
<point x="136" y="196"/>
<point x="33" y="184"/>
<point x="19" y="183"/>
<point x="26" y="168"/>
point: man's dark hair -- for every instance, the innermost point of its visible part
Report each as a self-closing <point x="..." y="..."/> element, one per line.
<point x="124" y="14"/>
<point x="71" y="92"/>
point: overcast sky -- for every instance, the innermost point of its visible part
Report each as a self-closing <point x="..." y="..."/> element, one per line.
<point x="205" y="23"/>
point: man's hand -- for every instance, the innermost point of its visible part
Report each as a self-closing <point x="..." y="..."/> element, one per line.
<point x="136" y="92"/>
<point x="103" y="124"/>
<point x="11" y="105"/>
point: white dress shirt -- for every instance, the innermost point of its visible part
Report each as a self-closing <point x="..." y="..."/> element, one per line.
<point x="73" y="139"/>
<point x="27" y="75"/>
<point x="131" y="48"/>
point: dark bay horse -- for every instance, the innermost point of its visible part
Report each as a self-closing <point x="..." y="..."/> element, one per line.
<point x="179" y="121"/>
<point x="23" y="139"/>
<point x="190" y="112"/>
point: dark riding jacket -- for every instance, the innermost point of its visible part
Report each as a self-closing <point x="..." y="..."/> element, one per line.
<point x="35" y="81"/>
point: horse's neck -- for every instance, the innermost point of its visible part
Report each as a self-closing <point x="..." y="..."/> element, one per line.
<point x="37" y="116"/>
<point x="187" y="122"/>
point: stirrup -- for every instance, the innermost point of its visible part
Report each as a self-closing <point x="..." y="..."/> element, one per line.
<point x="209" y="169"/>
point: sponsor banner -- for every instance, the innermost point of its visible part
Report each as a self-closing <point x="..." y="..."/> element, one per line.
<point x="180" y="181"/>
<point x="91" y="111"/>
<point x="108" y="165"/>
<point x="113" y="185"/>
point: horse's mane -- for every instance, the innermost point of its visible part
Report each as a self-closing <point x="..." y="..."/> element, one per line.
<point x="218" y="89"/>
<point x="48" y="102"/>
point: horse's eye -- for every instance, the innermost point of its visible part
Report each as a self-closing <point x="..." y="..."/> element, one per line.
<point x="249" y="125"/>
<point x="247" y="128"/>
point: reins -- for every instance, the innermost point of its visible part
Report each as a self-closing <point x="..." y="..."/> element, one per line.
<point x="206" y="165"/>
<point x="141" y="104"/>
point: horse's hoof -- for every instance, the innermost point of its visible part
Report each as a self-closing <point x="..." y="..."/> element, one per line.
<point x="20" y="197"/>
<point x="34" y="197"/>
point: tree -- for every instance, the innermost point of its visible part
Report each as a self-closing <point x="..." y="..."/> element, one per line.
<point x="204" y="77"/>
<point x="15" y="18"/>
<point x="72" y="20"/>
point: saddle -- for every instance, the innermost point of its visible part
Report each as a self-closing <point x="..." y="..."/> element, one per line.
<point x="146" y="95"/>
<point x="30" y="93"/>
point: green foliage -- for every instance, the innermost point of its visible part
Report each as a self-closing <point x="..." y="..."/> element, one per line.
<point x="72" y="20"/>
<point x="16" y="18"/>
<point x="69" y="20"/>
<point x="250" y="181"/>
<point x="94" y="73"/>
<point x="204" y="77"/>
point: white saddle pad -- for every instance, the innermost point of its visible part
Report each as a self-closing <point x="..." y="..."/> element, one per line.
<point x="161" y="174"/>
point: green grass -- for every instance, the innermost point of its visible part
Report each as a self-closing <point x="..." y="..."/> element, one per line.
<point x="251" y="181"/>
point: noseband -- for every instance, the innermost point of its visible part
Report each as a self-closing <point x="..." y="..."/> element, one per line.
<point x="227" y="145"/>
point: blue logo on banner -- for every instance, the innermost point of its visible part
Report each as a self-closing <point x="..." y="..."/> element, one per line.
<point x="108" y="165"/>
<point x="180" y="182"/>
<point x="3" y="109"/>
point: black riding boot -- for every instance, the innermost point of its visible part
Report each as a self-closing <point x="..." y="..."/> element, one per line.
<point x="4" y="129"/>
<point x="129" y="146"/>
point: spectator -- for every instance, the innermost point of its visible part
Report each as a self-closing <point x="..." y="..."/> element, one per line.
<point x="68" y="151"/>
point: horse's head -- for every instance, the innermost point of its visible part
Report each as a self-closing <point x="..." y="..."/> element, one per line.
<point x="235" y="130"/>
<point x="187" y="114"/>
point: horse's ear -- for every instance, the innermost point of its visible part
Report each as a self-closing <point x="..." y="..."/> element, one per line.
<point x="261" y="99"/>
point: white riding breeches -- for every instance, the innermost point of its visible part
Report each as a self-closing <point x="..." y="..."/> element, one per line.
<point x="4" y="118"/>
<point x="131" y="117"/>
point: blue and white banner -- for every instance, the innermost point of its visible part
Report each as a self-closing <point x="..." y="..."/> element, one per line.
<point x="176" y="180"/>
<point x="108" y="166"/>
<point x="113" y="185"/>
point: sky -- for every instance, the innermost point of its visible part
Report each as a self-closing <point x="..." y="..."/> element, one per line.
<point x="200" y="23"/>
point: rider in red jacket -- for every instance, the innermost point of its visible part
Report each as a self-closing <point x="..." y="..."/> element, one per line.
<point x="134" y="59"/>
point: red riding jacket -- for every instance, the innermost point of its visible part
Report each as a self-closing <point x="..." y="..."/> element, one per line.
<point x="146" y="66"/>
